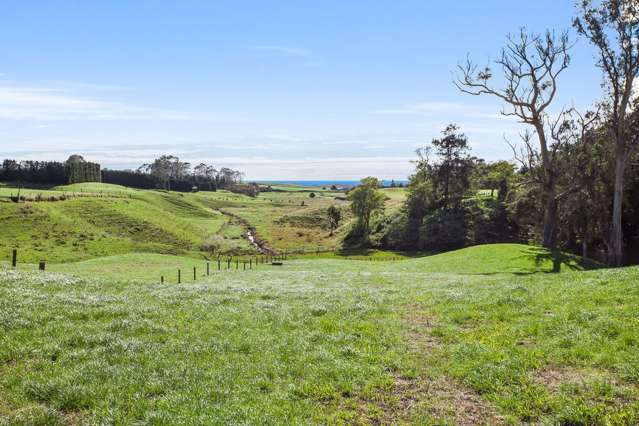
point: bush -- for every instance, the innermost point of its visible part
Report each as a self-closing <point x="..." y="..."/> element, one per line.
<point x="213" y="244"/>
<point x="444" y="230"/>
<point x="250" y="189"/>
<point x="394" y="232"/>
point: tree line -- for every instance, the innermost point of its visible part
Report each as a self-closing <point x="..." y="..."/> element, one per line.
<point x="165" y="172"/>
<point x="74" y="170"/>
<point x="575" y="181"/>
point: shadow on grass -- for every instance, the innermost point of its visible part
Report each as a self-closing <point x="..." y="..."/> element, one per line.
<point x="560" y="260"/>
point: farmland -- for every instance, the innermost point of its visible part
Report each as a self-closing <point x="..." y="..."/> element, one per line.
<point x="482" y="335"/>
<point x="94" y="220"/>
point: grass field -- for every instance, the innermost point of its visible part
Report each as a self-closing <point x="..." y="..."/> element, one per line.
<point x="96" y="220"/>
<point x="484" y="335"/>
<point x="481" y="335"/>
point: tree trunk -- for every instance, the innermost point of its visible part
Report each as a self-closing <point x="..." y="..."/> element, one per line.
<point x="550" y="210"/>
<point x="550" y="221"/>
<point x="616" y="230"/>
<point x="584" y="249"/>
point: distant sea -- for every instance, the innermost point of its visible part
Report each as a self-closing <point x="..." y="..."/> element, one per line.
<point x="321" y="183"/>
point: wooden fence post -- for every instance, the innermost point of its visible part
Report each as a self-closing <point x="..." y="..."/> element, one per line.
<point x="194" y="274"/>
<point x="208" y="268"/>
<point x="219" y="266"/>
<point x="179" y="276"/>
<point x="162" y="279"/>
<point x="250" y="263"/>
<point x="14" y="258"/>
<point x="41" y="266"/>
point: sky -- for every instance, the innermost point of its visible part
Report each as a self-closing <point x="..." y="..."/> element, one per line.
<point x="278" y="89"/>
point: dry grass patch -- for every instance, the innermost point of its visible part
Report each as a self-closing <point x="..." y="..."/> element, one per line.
<point x="425" y="399"/>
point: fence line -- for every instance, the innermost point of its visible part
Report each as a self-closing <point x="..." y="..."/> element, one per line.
<point x="250" y="261"/>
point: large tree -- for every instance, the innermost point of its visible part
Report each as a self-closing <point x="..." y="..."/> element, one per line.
<point x="450" y="177"/>
<point x="612" y="26"/>
<point x="366" y="199"/>
<point x="530" y="66"/>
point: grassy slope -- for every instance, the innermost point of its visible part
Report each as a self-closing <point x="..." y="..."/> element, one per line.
<point x="459" y="337"/>
<point x="103" y="219"/>
<point x="108" y="220"/>
<point x="484" y="260"/>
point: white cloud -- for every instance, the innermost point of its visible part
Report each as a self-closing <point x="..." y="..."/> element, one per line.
<point x="54" y="104"/>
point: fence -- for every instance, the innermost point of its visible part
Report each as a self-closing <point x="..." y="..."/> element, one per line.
<point x="243" y="263"/>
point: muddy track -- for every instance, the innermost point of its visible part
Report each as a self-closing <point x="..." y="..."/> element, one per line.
<point x="251" y="234"/>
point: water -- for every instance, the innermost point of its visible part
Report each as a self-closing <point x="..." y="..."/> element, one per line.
<point x="324" y="183"/>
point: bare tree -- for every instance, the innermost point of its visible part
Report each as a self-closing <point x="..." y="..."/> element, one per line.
<point x="531" y="65"/>
<point x="612" y="26"/>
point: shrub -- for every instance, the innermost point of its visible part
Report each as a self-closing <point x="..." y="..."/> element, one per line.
<point x="213" y="244"/>
<point x="394" y="232"/>
<point x="444" y="229"/>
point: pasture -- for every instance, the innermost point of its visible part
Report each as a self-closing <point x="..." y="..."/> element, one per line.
<point x="481" y="335"/>
<point x="95" y="220"/>
<point x="485" y="334"/>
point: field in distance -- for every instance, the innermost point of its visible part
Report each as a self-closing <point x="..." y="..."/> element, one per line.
<point x="83" y="221"/>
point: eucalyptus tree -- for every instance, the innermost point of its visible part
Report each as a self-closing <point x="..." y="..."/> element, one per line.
<point x="612" y="26"/>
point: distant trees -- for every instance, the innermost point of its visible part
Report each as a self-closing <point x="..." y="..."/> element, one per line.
<point x="530" y="65"/>
<point x="366" y="200"/>
<point x="50" y="172"/>
<point x="166" y="168"/>
<point x="334" y="216"/>
<point x="129" y="178"/>
<point x="494" y="176"/>
<point x="80" y="170"/>
<point x="612" y="26"/>
<point x="228" y="176"/>
<point x="172" y="173"/>
<point x="206" y="174"/>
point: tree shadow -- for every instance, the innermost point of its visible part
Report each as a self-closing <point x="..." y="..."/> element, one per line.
<point x="559" y="260"/>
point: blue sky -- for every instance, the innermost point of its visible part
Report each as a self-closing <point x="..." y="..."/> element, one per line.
<point x="281" y="90"/>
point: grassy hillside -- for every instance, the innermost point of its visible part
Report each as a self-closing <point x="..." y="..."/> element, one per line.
<point x="457" y="338"/>
<point x="83" y="221"/>
<point x="89" y="220"/>
<point x="86" y="227"/>
<point x="487" y="260"/>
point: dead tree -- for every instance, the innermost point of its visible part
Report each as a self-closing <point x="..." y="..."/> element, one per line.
<point x="530" y="65"/>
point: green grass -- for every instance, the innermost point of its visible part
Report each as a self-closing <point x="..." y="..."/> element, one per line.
<point x="481" y="334"/>
<point x="109" y="220"/>
<point x="90" y="220"/>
